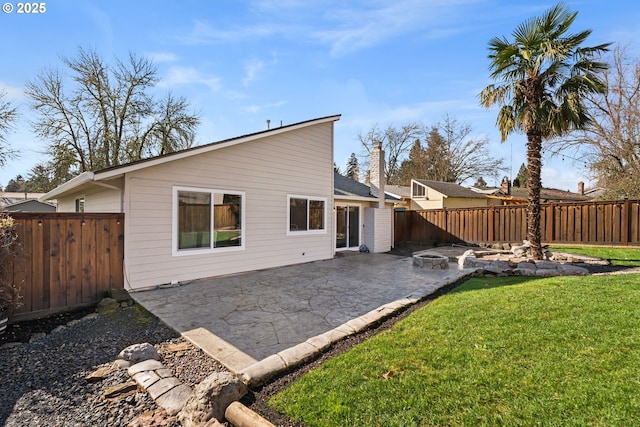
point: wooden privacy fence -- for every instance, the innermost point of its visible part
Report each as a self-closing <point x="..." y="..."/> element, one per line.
<point x="66" y="260"/>
<point x="597" y="222"/>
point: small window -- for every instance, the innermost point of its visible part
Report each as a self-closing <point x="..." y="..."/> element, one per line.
<point x="208" y="220"/>
<point x="307" y="215"/>
<point x="80" y="204"/>
<point x="417" y="190"/>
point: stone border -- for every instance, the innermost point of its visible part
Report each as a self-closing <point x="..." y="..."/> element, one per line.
<point x="165" y="389"/>
<point x="262" y="371"/>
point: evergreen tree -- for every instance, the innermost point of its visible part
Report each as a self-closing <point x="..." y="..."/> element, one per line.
<point x="521" y="179"/>
<point x="353" y="169"/>
<point x="15" y="185"/>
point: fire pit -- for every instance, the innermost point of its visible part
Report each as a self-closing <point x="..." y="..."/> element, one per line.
<point x="430" y="261"/>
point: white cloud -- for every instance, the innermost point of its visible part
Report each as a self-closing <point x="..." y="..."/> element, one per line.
<point x="13" y="93"/>
<point x="162" y="56"/>
<point x="251" y="71"/>
<point x="258" y="108"/>
<point x="189" y="76"/>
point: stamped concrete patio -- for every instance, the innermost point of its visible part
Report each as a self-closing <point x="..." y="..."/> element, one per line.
<point x="246" y="318"/>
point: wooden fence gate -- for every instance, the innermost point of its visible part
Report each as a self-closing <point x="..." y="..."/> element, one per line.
<point x="66" y="260"/>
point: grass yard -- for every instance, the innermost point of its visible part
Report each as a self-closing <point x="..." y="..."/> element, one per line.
<point x="623" y="257"/>
<point x="496" y="351"/>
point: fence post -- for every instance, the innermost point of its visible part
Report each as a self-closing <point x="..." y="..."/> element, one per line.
<point x="550" y="223"/>
<point x="625" y="223"/>
<point x="492" y="236"/>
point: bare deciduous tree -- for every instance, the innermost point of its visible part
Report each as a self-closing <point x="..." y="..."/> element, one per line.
<point x="396" y="142"/>
<point x="8" y="116"/>
<point x="450" y="153"/>
<point x="106" y="117"/>
<point x="611" y="142"/>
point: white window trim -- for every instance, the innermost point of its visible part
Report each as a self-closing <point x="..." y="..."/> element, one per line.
<point x="201" y="251"/>
<point x="84" y="203"/>
<point x="306" y="232"/>
<point x="426" y="191"/>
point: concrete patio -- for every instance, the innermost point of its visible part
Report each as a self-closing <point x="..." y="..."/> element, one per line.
<point x="243" y="319"/>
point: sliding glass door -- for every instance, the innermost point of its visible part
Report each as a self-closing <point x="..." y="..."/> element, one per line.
<point x="347" y="227"/>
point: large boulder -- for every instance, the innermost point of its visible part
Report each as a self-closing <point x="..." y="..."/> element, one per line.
<point x="139" y="352"/>
<point x="210" y="399"/>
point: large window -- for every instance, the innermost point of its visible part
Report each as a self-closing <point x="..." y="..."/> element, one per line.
<point x="208" y="219"/>
<point x="307" y="214"/>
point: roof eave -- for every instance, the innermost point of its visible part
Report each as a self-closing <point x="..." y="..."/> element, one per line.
<point x="68" y="186"/>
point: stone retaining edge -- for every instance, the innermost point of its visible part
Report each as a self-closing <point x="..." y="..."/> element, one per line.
<point x="262" y="371"/>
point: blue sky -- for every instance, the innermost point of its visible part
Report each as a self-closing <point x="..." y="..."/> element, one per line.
<point x="240" y="63"/>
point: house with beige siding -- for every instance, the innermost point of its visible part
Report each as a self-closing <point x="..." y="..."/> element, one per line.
<point x="428" y="194"/>
<point x="256" y="201"/>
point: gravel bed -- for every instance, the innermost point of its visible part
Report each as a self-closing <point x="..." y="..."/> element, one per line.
<point x="43" y="381"/>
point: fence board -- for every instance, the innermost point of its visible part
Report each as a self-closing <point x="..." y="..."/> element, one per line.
<point x="68" y="260"/>
<point x="597" y="222"/>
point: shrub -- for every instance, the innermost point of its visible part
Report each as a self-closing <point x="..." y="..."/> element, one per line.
<point x="9" y="252"/>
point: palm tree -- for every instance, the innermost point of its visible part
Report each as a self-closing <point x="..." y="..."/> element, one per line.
<point x="543" y="77"/>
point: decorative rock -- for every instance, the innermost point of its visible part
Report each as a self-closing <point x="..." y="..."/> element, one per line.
<point x="211" y="398"/>
<point x="498" y="267"/>
<point x="99" y="374"/>
<point x="122" y="364"/>
<point x="153" y="419"/>
<point x="120" y="295"/>
<point x="547" y="272"/>
<point x="146" y="365"/>
<point x="37" y="336"/>
<point x="524" y="272"/>
<point x="120" y="389"/>
<point x="466" y="258"/>
<point x="138" y="352"/>
<point x="58" y="329"/>
<point x="572" y="270"/>
<point x="90" y="316"/>
<point x="175" y="399"/>
<point x="107" y="305"/>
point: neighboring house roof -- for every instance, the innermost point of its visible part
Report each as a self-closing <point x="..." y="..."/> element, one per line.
<point x="399" y="191"/>
<point x="9" y="198"/>
<point x="551" y="195"/>
<point x="349" y="188"/>
<point x="116" y="171"/>
<point x="30" y="205"/>
<point x="488" y="191"/>
<point x="450" y="189"/>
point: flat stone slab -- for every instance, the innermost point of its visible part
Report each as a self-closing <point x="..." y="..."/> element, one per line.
<point x="161" y="387"/>
<point x="174" y="400"/>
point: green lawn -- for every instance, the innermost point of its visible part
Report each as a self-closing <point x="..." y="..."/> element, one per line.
<point x="624" y="257"/>
<point x="499" y="351"/>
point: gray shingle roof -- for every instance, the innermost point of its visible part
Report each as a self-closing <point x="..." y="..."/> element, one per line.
<point x="343" y="186"/>
<point x="450" y="189"/>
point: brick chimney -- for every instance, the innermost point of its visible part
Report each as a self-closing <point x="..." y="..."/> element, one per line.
<point x="581" y="188"/>
<point x="376" y="173"/>
<point x="505" y="187"/>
